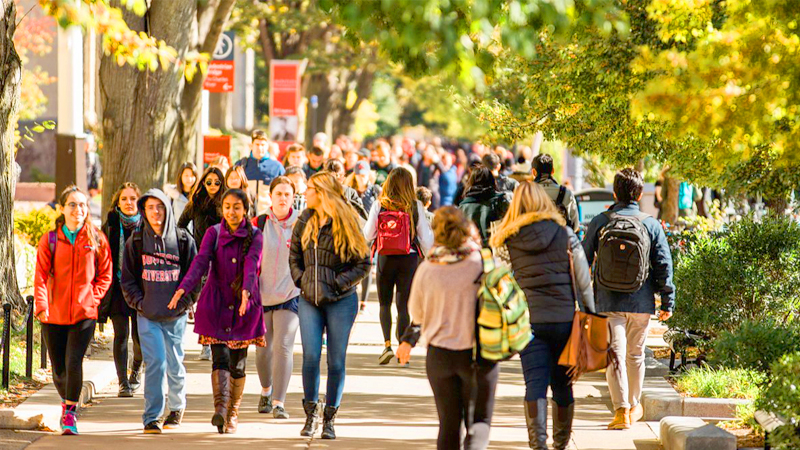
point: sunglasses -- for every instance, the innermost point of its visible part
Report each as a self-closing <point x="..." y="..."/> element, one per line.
<point x="213" y="183"/>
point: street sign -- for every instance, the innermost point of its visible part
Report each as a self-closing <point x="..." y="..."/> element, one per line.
<point x="221" y="70"/>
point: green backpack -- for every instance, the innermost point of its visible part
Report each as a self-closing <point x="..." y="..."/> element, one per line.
<point x="503" y="321"/>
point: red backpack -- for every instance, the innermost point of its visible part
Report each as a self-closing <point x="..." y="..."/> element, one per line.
<point x="394" y="233"/>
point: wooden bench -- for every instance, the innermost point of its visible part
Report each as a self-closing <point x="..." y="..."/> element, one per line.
<point x="769" y="422"/>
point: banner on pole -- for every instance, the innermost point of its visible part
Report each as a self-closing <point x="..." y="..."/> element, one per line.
<point x="221" y="70"/>
<point x="284" y="101"/>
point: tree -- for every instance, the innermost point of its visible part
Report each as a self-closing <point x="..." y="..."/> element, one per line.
<point x="341" y="69"/>
<point x="10" y="82"/>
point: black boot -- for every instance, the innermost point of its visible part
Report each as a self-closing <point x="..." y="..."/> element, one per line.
<point x="312" y="419"/>
<point x="536" y="420"/>
<point x="562" y="425"/>
<point x="328" y="417"/>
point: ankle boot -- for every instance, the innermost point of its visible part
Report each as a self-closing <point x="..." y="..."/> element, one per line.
<point x="536" y="420"/>
<point x="312" y="419"/>
<point x="237" y="390"/>
<point x="220" y="385"/>
<point x="328" y="417"/>
<point x="562" y="425"/>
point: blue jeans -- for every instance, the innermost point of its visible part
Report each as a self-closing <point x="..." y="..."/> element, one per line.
<point x="162" y="349"/>
<point x="540" y="363"/>
<point x="337" y="320"/>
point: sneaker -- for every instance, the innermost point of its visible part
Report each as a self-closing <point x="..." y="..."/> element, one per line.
<point x="637" y="412"/>
<point x="265" y="404"/>
<point x="125" y="391"/>
<point x="152" y="428"/>
<point x="279" y="412"/>
<point x="134" y="380"/>
<point x="363" y="307"/>
<point x="173" y="420"/>
<point x="386" y="356"/>
<point x="205" y="354"/>
<point x="69" y="423"/>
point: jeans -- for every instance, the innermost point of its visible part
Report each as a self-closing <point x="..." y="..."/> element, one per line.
<point x="452" y="376"/>
<point x="395" y="272"/>
<point x="336" y="319"/>
<point x="540" y="363"/>
<point x="628" y="334"/>
<point x="274" y="362"/>
<point x="231" y="360"/>
<point x="124" y="326"/>
<point x="162" y="349"/>
<point x="67" y="345"/>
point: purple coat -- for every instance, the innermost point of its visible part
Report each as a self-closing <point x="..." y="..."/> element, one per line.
<point x="217" y="313"/>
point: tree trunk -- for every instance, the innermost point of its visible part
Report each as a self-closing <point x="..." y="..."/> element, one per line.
<point x="140" y="108"/>
<point x="669" y="202"/>
<point x="11" y="67"/>
<point x="211" y="24"/>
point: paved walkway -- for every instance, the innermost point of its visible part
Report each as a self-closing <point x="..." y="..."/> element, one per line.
<point x="384" y="407"/>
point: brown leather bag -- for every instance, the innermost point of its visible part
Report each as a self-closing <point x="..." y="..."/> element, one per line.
<point x="589" y="346"/>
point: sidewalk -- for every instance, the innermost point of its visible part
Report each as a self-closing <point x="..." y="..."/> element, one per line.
<point x="384" y="407"/>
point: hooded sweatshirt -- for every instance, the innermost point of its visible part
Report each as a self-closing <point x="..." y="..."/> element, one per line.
<point x="277" y="286"/>
<point x="151" y="277"/>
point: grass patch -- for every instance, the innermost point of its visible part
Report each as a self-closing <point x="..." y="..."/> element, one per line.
<point x="721" y="383"/>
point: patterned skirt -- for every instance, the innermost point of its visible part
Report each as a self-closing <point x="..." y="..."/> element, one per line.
<point x="233" y="345"/>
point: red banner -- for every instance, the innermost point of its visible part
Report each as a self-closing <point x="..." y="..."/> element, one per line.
<point x="284" y="101"/>
<point x="216" y="146"/>
<point x="220" y="76"/>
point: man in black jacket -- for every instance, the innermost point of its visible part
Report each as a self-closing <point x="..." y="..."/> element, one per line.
<point x="156" y="259"/>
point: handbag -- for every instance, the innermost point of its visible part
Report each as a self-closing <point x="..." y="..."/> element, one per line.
<point x="589" y="346"/>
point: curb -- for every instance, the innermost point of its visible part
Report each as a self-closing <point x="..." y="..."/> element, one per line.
<point x="692" y="433"/>
<point x="42" y="410"/>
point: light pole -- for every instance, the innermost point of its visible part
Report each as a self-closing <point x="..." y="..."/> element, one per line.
<point x="314" y="104"/>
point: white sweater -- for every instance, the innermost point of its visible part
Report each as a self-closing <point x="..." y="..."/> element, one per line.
<point x="424" y="233"/>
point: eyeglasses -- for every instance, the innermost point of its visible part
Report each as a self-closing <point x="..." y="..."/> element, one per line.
<point x="74" y="205"/>
<point x="213" y="183"/>
<point x="155" y="208"/>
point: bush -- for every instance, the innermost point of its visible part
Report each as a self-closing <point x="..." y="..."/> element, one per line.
<point x="35" y="223"/>
<point x="750" y="272"/>
<point x="782" y="398"/>
<point x="755" y="345"/>
<point x="720" y="383"/>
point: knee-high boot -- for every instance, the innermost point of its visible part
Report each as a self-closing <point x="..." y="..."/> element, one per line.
<point x="536" y="420"/>
<point x="237" y="390"/>
<point x="220" y="385"/>
<point x="562" y="425"/>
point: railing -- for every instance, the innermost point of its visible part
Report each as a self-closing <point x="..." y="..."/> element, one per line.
<point x="5" y="342"/>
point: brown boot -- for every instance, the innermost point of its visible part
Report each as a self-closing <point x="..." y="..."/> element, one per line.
<point x="622" y="420"/>
<point x="237" y="390"/>
<point x="220" y="385"/>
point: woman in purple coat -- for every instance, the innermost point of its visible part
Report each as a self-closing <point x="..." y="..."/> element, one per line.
<point x="228" y="313"/>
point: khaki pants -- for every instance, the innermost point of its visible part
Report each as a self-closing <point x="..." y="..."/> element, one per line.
<point x="628" y="334"/>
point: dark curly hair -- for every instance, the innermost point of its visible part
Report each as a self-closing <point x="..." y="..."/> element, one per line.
<point x="241" y="195"/>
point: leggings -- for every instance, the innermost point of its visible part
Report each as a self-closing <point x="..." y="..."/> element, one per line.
<point x="224" y="358"/>
<point x="67" y="345"/>
<point x="123" y="326"/>
<point x="274" y="362"/>
<point x="451" y="374"/>
<point x="365" y="285"/>
<point x="395" y="271"/>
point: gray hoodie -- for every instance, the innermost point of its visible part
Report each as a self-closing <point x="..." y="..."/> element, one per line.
<point x="154" y="265"/>
<point x="276" y="280"/>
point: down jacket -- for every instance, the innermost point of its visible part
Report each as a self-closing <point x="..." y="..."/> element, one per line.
<point x="537" y="246"/>
<point x="318" y="270"/>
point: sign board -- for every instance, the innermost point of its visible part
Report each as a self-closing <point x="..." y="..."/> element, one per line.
<point x="221" y="70"/>
<point x="214" y="147"/>
<point x="284" y="101"/>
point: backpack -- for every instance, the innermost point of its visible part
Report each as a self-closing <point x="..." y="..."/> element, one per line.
<point x="503" y="320"/>
<point x="394" y="233"/>
<point x="559" y="201"/>
<point x="623" y="253"/>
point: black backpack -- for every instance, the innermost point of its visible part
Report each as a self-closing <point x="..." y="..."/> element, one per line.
<point x="562" y="192"/>
<point x="623" y="253"/>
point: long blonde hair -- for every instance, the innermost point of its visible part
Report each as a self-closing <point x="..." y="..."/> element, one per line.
<point x="530" y="204"/>
<point x="398" y="193"/>
<point x="348" y="239"/>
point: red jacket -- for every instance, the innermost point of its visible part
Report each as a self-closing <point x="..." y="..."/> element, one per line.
<point x="80" y="282"/>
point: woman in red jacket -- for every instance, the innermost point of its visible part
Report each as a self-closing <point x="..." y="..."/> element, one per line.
<point x="73" y="273"/>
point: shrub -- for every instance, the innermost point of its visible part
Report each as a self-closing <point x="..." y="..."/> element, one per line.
<point x="720" y="383"/>
<point x="755" y="345"/>
<point x="750" y="272"/>
<point x="35" y="223"/>
<point x="782" y="398"/>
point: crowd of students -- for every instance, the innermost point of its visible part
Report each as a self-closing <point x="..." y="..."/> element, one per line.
<point x="264" y="248"/>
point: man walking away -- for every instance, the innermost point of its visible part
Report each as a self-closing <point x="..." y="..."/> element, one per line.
<point x="633" y="264"/>
<point x="565" y="202"/>
<point x="504" y="184"/>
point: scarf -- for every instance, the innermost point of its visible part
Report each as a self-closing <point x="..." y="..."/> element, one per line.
<point x="70" y="235"/>
<point x="129" y="223"/>
<point x="440" y="254"/>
